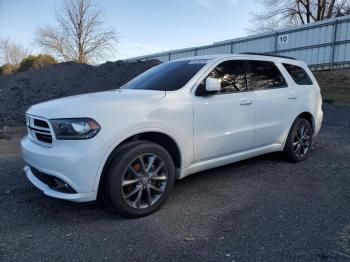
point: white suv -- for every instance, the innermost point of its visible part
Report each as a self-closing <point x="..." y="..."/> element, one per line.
<point x="127" y="146"/>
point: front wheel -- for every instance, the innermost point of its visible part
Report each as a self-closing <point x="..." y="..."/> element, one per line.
<point x="298" y="144"/>
<point x="140" y="179"/>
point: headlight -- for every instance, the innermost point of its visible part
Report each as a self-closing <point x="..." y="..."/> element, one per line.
<point x="75" y="128"/>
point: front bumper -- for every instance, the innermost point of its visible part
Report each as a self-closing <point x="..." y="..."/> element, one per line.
<point x="76" y="197"/>
<point x="74" y="162"/>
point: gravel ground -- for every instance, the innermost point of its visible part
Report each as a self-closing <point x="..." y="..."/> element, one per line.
<point x="261" y="209"/>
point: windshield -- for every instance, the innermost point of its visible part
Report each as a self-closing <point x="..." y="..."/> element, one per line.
<point x="168" y="76"/>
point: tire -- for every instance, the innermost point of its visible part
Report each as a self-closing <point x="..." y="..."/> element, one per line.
<point x="298" y="143"/>
<point x="134" y="189"/>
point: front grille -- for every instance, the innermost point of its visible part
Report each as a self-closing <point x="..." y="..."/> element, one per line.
<point x="44" y="138"/>
<point x="41" y="123"/>
<point x="39" y="130"/>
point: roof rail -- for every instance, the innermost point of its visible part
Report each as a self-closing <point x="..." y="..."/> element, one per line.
<point x="268" y="54"/>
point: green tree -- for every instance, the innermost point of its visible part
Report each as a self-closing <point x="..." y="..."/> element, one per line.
<point x="34" y="62"/>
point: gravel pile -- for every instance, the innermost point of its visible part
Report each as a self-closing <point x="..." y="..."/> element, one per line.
<point x="21" y="90"/>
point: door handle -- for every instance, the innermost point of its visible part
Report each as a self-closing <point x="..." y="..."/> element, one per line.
<point x="292" y="97"/>
<point x="246" y="102"/>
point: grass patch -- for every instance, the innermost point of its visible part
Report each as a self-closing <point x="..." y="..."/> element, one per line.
<point x="339" y="95"/>
<point x="335" y="85"/>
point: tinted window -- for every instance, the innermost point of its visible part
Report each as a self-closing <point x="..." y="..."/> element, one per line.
<point x="298" y="74"/>
<point x="168" y="76"/>
<point x="231" y="75"/>
<point x="264" y="75"/>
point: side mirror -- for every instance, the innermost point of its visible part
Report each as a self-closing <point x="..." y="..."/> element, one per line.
<point x="212" y="84"/>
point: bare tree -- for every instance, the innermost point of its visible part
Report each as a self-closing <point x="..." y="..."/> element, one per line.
<point x="12" y="52"/>
<point x="285" y="13"/>
<point x="80" y="35"/>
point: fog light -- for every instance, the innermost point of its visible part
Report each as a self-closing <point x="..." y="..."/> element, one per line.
<point x="62" y="186"/>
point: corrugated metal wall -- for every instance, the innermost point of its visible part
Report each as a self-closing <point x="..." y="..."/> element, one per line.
<point x="321" y="45"/>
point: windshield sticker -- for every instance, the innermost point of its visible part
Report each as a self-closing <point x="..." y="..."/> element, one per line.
<point x="198" y="61"/>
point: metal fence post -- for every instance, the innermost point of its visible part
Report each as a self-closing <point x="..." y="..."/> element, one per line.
<point x="335" y="29"/>
<point x="231" y="47"/>
<point x="169" y="56"/>
<point x="276" y="43"/>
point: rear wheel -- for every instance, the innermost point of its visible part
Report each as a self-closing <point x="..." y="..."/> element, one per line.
<point x="140" y="179"/>
<point x="298" y="144"/>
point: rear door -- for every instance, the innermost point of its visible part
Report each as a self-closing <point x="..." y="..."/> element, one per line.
<point x="275" y="103"/>
<point x="302" y="83"/>
<point x="223" y="121"/>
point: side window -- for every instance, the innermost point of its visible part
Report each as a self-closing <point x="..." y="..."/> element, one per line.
<point x="264" y="75"/>
<point x="231" y="75"/>
<point x="298" y="74"/>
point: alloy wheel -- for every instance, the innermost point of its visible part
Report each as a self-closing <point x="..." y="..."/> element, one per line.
<point x="302" y="141"/>
<point x="144" y="181"/>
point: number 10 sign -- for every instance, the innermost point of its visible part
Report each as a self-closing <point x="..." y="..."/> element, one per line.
<point x="283" y="39"/>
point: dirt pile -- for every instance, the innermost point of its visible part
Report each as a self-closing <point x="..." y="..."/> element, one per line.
<point x="21" y="90"/>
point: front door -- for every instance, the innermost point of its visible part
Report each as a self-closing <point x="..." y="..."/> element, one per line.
<point x="223" y="121"/>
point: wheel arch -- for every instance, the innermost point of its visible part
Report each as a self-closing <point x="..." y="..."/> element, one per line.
<point x="306" y="115"/>
<point x="309" y="117"/>
<point x="159" y="137"/>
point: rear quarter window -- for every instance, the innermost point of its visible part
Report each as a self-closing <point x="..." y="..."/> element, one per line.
<point x="263" y="75"/>
<point x="298" y="74"/>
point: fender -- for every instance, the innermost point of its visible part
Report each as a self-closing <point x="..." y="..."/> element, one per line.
<point x="295" y="117"/>
<point x="120" y="139"/>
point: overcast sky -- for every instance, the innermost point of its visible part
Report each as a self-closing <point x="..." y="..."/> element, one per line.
<point x="144" y="26"/>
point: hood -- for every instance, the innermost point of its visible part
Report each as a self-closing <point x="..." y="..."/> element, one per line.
<point x="88" y="105"/>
